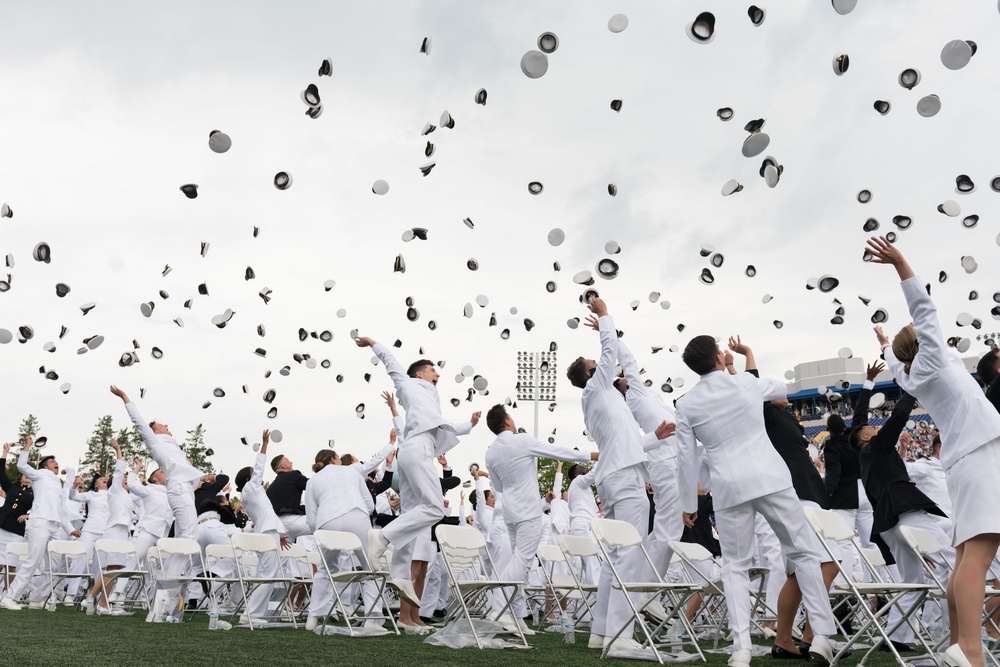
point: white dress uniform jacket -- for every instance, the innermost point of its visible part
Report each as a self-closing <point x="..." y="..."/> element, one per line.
<point x="938" y="379"/>
<point x="256" y="502"/>
<point x="333" y="492"/>
<point x="422" y="404"/>
<point x="647" y="407"/>
<point x="47" y="490"/>
<point x="737" y="448"/>
<point x="119" y="501"/>
<point x="157" y="517"/>
<point x="929" y="476"/>
<point x="164" y="450"/>
<point x="512" y="460"/>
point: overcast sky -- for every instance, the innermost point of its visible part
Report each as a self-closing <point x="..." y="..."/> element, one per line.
<point x="105" y="111"/>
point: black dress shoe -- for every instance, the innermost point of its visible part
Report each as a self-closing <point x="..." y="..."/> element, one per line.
<point x="430" y="621"/>
<point x="779" y="653"/>
<point x="440" y="613"/>
<point x="805" y="649"/>
<point x="899" y="646"/>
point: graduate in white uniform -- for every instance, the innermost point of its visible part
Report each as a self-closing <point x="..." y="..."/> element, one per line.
<point x="650" y="410"/>
<point x="336" y="498"/>
<point x="119" y="519"/>
<point x="512" y="460"/>
<point x="748" y="476"/>
<point x="582" y="509"/>
<point x="44" y="523"/>
<point x="930" y="477"/>
<point x="156" y="518"/>
<point x="96" y="500"/>
<point x="250" y="485"/>
<point x="182" y="477"/>
<point x="621" y="474"/>
<point x="970" y="432"/>
<point x="426" y="434"/>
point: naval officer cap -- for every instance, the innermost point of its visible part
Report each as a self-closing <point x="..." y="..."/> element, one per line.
<point x="534" y="64"/>
<point x="548" y="42"/>
<point x="219" y="142"/>
<point x="756" y="14"/>
<point x="702" y="29"/>
<point x="617" y="23"/>
<point x="957" y="53"/>
<point x="282" y="180"/>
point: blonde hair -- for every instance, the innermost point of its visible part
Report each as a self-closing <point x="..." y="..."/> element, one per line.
<point x="904" y="346"/>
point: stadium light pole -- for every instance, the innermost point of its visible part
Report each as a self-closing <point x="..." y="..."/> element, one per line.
<point x="536" y="379"/>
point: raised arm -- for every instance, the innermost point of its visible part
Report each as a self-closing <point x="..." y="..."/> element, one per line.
<point x="22" y="462"/>
<point x="885" y="440"/>
<point x="374" y="462"/>
<point x="860" y="417"/>
<point x="630" y="367"/>
<point x="832" y="463"/>
<point x="135" y="486"/>
<point x="366" y="495"/>
<point x="739" y="347"/>
<point x="141" y="425"/>
<point x="604" y="374"/>
<point x="395" y="370"/>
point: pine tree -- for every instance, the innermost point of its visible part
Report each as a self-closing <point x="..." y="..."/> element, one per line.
<point x="99" y="452"/>
<point x="194" y="446"/>
<point x="547" y="475"/>
<point x="28" y="427"/>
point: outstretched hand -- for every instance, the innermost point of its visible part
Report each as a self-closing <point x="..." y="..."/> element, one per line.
<point x="874" y="369"/>
<point x="689" y="519"/>
<point x="597" y="306"/>
<point x="665" y="430"/>
<point x="364" y="341"/>
<point x="737" y="346"/>
<point x="884" y="252"/>
<point x="475" y="417"/>
<point x="883" y="340"/>
<point x="119" y="393"/>
<point x="592" y="322"/>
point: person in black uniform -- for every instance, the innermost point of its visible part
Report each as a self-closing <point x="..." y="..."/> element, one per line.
<point x="13" y="514"/>
<point x="896" y="501"/>
<point x="789" y="439"/>
<point x="988" y="370"/>
<point x="285" y="494"/>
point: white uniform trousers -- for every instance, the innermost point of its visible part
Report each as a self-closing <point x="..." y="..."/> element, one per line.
<point x="321" y="603"/>
<point x="79" y="565"/>
<point x="910" y="565"/>
<point x="267" y="566"/>
<point x="861" y="520"/>
<point x="436" y="588"/>
<point x="181" y="499"/>
<point x="770" y="556"/>
<point x="525" y="537"/>
<point x="783" y="513"/>
<point x="37" y="532"/>
<point x="421" y="488"/>
<point x="295" y="525"/>
<point x="623" y="494"/>
<point x="668" y="522"/>
<point x="142" y="540"/>
<point x="591" y="572"/>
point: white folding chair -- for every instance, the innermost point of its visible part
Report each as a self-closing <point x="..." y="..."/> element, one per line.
<point x="17" y="550"/>
<point x="622" y="536"/>
<point x="105" y="548"/>
<point x="66" y="552"/>
<point x="261" y="546"/>
<point x="333" y="544"/>
<point x="577" y="550"/>
<point x="220" y="558"/>
<point x="467" y="559"/>
<point x="698" y="568"/>
<point x="831" y="528"/>
<point x="178" y="562"/>
<point x="560" y="587"/>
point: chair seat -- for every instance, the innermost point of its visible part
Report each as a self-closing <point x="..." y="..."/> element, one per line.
<point x="885" y="588"/>
<point x="268" y="580"/>
<point x="649" y="587"/>
<point x="351" y="577"/>
<point x="124" y="573"/>
<point x="475" y="583"/>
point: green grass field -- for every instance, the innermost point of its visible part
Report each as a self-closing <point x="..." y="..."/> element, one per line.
<point x="70" y="637"/>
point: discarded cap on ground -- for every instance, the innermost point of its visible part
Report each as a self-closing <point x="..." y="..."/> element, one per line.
<point x="929" y="106"/>
<point x="617" y="23"/>
<point x="702" y="28"/>
<point x="956" y="54"/>
<point x="282" y="180"/>
<point x="534" y="64"/>
<point x="909" y="78"/>
<point x="219" y="142"/>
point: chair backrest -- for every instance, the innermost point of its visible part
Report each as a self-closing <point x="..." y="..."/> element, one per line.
<point x="874" y="557"/>
<point x="67" y="548"/>
<point x="692" y="551"/>
<point x="920" y="540"/>
<point x="577" y="546"/>
<point x="828" y="525"/>
<point x="214" y="552"/>
<point x="460" y="537"/>
<point x="463" y="548"/>
<point x="615" y="533"/>
<point x="178" y="546"/>
<point x="123" y="547"/>
<point x="550" y="553"/>
<point x="19" y="549"/>
<point x="294" y="552"/>
<point x="337" y="540"/>
<point x="255" y="542"/>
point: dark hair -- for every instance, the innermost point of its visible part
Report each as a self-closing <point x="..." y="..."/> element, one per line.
<point x="700" y="354"/>
<point x="276" y="461"/>
<point x="242" y="477"/>
<point x="618" y="385"/>
<point x="988" y="367"/>
<point x="418" y="366"/>
<point x="576" y="470"/>
<point x="323" y="459"/>
<point x="936" y="442"/>
<point x="151" y="424"/>
<point x="577" y="373"/>
<point x="496" y="418"/>
<point x="44" y="459"/>
<point x="835" y="425"/>
<point x="855" y="438"/>
<point x="474" y="498"/>
<point x="347" y="459"/>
